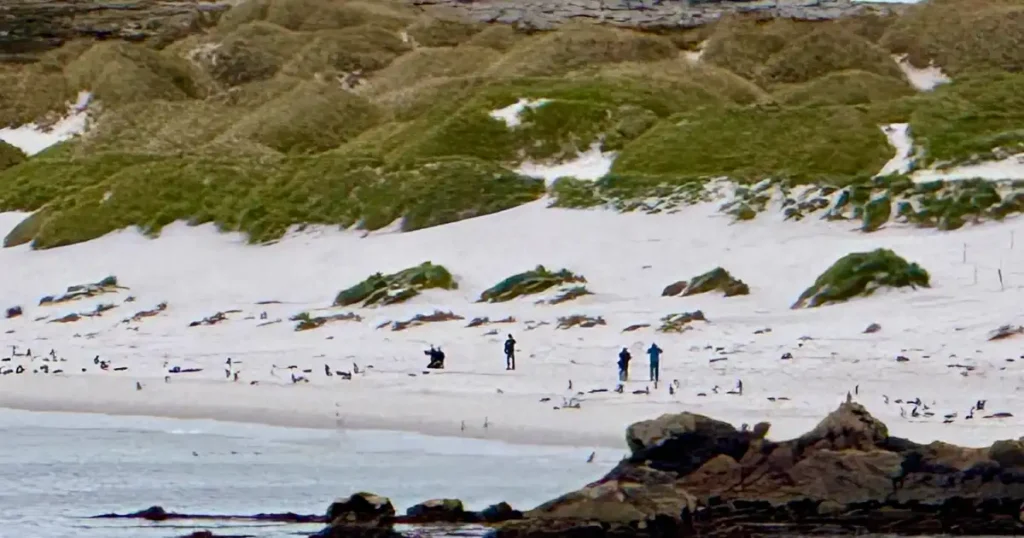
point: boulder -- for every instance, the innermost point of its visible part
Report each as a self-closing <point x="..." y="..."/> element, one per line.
<point x="502" y="511"/>
<point x="439" y="511"/>
<point x="648" y="433"/>
<point x="715" y="279"/>
<point x="361" y="507"/>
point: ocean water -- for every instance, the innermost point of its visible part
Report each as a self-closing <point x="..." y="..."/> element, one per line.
<point x="57" y="469"/>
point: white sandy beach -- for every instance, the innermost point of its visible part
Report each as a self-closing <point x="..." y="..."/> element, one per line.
<point x="627" y="259"/>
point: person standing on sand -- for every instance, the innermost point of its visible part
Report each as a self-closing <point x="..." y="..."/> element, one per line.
<point x="624" y="358"/>
<point x="510" y="353"/>
<point x="654" y="352"/>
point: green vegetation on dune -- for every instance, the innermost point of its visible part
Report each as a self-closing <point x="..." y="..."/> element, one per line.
<point x="966" y="120"/>
<point x="961" y="35"/>
<point x="528" y="283"/>
<point x="113" y="191"/>
<point x="360" y="113"/>
<point x="861" y="273"/>
<point x="844" y="88"/>
<point x="827" y="50"/>
<point x="749" y="144"/>
<point x="383" y="290"/>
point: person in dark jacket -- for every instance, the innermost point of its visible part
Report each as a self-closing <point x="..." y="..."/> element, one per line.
<point x="624" y="358"/>
<point x="436" y="358"/>
<point x="510" y="353"/>
<point x="654" y="352"/>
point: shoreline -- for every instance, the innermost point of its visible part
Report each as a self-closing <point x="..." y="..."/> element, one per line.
<point x="302" y="408"/>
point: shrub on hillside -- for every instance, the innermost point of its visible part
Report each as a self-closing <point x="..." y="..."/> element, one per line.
<point x="431" y="32"/>
<point x="252" y="52"/>
<point x="380" y="289"/>
<point x="9" y="155"/>
<point x="528" y="283"/>
<point x="716" y="279"/>
<point x="744" y="46"/>
<point x="360" y="48"/>
<point x="860" y="274"/>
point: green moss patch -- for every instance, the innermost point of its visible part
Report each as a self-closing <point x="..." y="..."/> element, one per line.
<point x="398" y="287"/>
<point x="717" y="279"/>
<point x="860" y="274"/>
<point x="528" y="283"/>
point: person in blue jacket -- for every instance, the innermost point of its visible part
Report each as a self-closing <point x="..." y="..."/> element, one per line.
<point x="654" y="352"/>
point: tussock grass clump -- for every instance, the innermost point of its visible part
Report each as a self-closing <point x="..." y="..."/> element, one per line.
<point x="579" y="46"/>
<point x="118" y="73"/>
<point x="83" y="291"/>
<point x="90" y="196"/>
<point x="383" y="290"/>
<point x="581" y="321"/>
<point x="528" y="283"/>
<point x="826" y="50"/>
<point x="32" y="92"/>
<point x="252" y="52"/>
<point x="749" y="144"/>
<point x="360" y="48"/>
<point x="715" y="82"/>
<point x="10" y="155"/>
<point x="160" y="127"/>
<point x="578" y="112"/>
<point x="431" y="32"/>
<point x="422" y="319"/>
<point x="500" y="37"/>
<point x="310" y="15"/>
<point x="964" y="121"/>
<point x="311" y="118"/>
<point x="860" y="274"/>
<point x="844" y="88"/>
<point x="427" y="63"/>
<point x="743" y="45"/>
<point x="716" y="279"/>
<point x="961" y="35"/>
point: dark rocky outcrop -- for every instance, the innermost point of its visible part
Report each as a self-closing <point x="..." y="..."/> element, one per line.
<point x="716" y="279"/>
<point x="32" y="26"/>
<point x="691" y="475"/>
<point x="440" y="511"/>
<point x="649" y="14"/>
<point x="158" y="513"/>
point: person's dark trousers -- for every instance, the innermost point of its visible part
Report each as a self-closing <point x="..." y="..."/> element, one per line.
<point x="624" y="374"/>
<point x="510" y="361"/>
<point x="654" y="371"/>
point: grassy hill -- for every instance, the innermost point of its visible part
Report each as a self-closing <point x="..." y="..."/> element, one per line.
<point x="361" y="113"/>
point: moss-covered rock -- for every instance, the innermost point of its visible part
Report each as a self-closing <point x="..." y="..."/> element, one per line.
<point x="876" y="213"/>
<point x="380" y="289"/>
<point x="860" y="274"/>
<point x="715" y="279"/>
<point x="528" y="283"/>
<point x="9" y="155"/>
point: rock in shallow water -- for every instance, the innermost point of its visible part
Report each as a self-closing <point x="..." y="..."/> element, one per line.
<point x="693" y="475"/>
